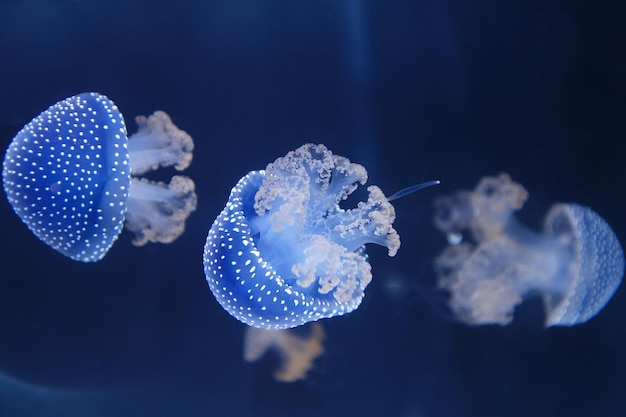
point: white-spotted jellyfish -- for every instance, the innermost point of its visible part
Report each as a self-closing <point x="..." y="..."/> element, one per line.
<point x="576" y="264"/>
<point x="283" y="252"/>
<point x="69" y="176"/>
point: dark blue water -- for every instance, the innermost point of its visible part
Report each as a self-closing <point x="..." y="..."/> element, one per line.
<point x="414" y="91"/>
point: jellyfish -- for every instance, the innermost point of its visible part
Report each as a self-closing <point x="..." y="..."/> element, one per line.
<point x="70" y="176"/>
<point x="296" y="352"/>
<point x="283" y="252"/>
<point x="575" y="265"/>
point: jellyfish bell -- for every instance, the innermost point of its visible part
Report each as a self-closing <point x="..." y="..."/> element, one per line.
<point x="576" y="265"/>
<point x="596" y="265"/>
<point x="67" y="175"/>
<point x="283" y="253"/>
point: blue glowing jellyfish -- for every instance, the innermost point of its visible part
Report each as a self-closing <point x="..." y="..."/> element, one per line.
<point x="283" y="252"/>
<point x="67" y="175"/>
<point x="577" y="264"/>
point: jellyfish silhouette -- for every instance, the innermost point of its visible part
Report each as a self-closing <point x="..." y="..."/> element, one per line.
<point x="283" y="252"/>
<point x="576" y="265"/>
<point x="296" y="352"/>
<point x="67" y="175"/>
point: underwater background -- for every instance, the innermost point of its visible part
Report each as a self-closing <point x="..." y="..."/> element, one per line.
<point x="412" y="90"/>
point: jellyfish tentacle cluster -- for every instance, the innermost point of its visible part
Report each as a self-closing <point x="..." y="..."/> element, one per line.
<point x="67" y="175"/>
<point x="283" y="252"/>
<point x="159" y="143"/>
<point x="157" y="211"/>
<point x="576" y="264"/>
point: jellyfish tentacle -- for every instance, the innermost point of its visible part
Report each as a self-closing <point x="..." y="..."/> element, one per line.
<point x="412" y="189"/>
<point x="157" y="143"/>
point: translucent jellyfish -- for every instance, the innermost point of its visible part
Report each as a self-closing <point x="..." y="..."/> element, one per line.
<point x="576" y="265"/>
<point x="297" y="353"/>
<point x="67" y="175"/>
<point x="283" y="252"/>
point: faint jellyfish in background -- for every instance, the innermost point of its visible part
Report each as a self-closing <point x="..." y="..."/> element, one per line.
<point x="296" y="352"/>
<point x="283" y="252"/>
<point x="576" y="264"/>
<point x="70" y="175"/>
